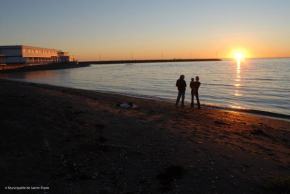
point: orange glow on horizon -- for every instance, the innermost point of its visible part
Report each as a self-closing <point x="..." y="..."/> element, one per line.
<point x="142" y="53"/>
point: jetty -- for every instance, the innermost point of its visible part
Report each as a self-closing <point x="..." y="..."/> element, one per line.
<point x="74" y="64"/>
<point x="147" y="61"/>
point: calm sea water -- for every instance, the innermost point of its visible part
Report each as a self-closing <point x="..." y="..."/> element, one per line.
<point x="257" y="84"/>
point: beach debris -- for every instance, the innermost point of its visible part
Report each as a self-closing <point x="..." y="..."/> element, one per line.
<point x="169" y="175"/>
<point x="259" y="132"/>
<point x="47" y="145"/>
<point x="126" y="105"/>
<point x="219" y="123"/>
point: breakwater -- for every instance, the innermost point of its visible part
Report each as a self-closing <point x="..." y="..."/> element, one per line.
<point x="147" y="61"/>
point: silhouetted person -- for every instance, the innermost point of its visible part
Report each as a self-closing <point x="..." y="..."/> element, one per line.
<point x="181" y="85"/>
<point x="192" y="91"/>
<point x="196" y="85"/>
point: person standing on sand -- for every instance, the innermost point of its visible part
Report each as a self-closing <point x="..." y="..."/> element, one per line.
<point x="192" y="91"/>
<point x="181" y="85"/>
<point x="196" y="85"/>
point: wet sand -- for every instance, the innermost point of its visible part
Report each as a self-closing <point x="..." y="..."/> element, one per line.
<point x="78" y="141"/>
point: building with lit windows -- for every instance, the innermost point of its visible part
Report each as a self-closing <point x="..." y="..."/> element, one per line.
<point x="29" y="55"/>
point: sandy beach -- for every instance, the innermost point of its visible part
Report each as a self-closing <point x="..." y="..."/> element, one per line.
<point x="62" y="140"/>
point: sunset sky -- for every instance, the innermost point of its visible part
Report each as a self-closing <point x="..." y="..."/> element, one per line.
<point x="114" y="29"/>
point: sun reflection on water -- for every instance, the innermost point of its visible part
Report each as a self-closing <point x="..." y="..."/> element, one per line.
<point x="237" y="107"/>
<point x="238" y="66"/>
<point x="237" y="85"/>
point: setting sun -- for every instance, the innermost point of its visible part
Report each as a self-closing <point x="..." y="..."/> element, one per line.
<point x="239" y="55"/>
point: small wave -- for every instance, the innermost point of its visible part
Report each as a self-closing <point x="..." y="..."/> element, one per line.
<point x="250" y="111"/>
<point x="217" y="84"/>
<point x="261" y="79"/>
<point x="225" y="85"/>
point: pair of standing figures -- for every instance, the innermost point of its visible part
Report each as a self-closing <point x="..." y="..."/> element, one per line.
<point x="181" y="85"/>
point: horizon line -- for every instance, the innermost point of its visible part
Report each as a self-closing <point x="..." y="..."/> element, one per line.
<point x="183" y="59"/>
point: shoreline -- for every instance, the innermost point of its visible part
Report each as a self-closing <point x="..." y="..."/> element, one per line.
<point x="80" y="141"/>
<point x="262" y="113"/>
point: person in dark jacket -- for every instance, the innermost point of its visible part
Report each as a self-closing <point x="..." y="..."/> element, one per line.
<point x="181" y="85"/>
<point x="196" y="85"/>
<point x="192" y="86"/>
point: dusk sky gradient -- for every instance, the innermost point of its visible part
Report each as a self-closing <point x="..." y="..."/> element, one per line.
<point x="113" y="29"/>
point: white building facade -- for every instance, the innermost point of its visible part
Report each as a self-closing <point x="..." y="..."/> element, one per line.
<point x="29" y="55"/>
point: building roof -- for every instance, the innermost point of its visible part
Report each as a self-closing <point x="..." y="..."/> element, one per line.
<point x="20" y="46"/>
<point x="10" y="46"/>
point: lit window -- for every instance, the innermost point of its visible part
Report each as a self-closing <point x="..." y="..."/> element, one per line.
<point x="29" y="50"/>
